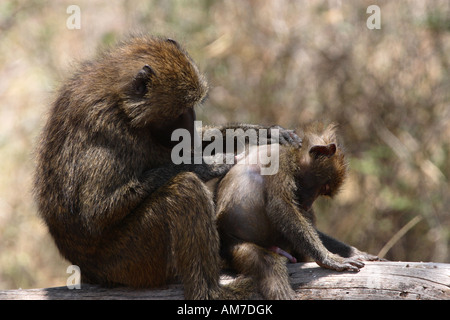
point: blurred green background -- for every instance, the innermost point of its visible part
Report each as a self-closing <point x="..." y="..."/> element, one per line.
<point x="272" y="62"/>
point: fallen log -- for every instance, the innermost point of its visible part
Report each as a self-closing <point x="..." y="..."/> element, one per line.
<point x="377" y="280"/>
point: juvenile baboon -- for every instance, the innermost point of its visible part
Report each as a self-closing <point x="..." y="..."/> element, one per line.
<point x="262" y="217"/>
<point x="114" y="202"/>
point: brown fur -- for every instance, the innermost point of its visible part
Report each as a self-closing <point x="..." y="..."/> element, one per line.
<point x="256" y="212"/>
<point x="105" y="185"/>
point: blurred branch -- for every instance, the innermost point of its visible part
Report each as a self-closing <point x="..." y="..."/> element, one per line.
<point x="402" y="151"/>
<point x="391" y="140"/>
<point x="400" y="233"/>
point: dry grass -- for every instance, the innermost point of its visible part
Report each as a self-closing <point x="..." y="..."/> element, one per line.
<point x="277" y="61"/>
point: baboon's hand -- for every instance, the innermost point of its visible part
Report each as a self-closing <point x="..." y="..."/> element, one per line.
<point x="335" y="262"/>
<point x="287" y="137"/>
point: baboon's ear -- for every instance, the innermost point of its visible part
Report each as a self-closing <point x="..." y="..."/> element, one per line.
<point x="325" y="151"/>
<point x="142" y="78"/>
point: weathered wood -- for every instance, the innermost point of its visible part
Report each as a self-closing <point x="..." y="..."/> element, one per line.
<point x="377" y="280"/>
